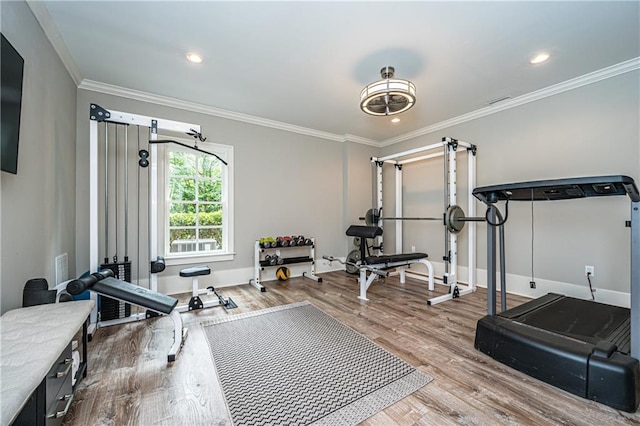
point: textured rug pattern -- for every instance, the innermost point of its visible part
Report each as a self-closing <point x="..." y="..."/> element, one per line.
<point x="294" y="364"/>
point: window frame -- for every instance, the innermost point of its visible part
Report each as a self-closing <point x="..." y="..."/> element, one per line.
<point x="226" y="152"/>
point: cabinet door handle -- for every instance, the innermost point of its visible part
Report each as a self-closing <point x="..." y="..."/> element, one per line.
<point x="58" y="414"/>
<point x="69" y="363"/>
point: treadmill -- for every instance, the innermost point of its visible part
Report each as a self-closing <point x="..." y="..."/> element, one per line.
<point x="584" y="347"/>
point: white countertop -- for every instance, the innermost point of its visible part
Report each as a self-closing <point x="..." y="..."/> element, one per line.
<point x="31" y="339"/>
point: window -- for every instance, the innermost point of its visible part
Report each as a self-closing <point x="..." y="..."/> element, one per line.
<point x="198" y="217"/>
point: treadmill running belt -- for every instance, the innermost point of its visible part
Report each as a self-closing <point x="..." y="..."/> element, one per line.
<point x="580" y="319"/>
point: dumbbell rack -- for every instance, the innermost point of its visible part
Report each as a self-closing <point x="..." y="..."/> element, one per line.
<point x="260" y="264"/>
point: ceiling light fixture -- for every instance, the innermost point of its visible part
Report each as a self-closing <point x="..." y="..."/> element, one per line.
<point x="395" y="120"/>
<point x="194" y="57"/>
<point x="539" y="58"/>
<point x="388" y="96"/>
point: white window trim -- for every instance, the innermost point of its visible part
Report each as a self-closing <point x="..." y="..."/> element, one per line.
<point x="226" y="152"/>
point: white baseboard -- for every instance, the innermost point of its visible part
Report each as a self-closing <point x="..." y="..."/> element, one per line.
<point x="174" y="284"/>
<point x="516" y="284"/>
<point x="519" y="284"/>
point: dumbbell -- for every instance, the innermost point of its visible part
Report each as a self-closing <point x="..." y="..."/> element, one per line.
<point x="308" y="242"/>
<point x="272" y="259"/>
<point x="264" y="243"/>
<point x="293" y="241"/>
<point x="284" y="241"/>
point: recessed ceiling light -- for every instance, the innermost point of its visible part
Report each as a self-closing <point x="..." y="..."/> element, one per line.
<point x="539" y="58"/>
<point x="194" y="57"/>
<point x="395" y="120"/>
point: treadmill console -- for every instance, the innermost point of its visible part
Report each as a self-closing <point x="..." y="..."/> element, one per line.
<point x="559" y="189"/>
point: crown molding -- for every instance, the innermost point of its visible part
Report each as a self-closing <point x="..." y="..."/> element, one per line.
<point x="138" y="95"/>
<point x="593" y="77"/>
<point x="360" y="140"/>
<point x="42" y="15"/>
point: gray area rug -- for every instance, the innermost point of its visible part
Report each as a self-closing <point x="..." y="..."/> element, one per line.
<point x="296" y="365"/>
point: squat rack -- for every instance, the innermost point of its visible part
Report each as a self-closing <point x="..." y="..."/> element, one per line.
<point x="447" y="148"/>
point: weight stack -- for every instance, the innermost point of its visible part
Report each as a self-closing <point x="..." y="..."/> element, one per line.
<point x="109" y="308"/>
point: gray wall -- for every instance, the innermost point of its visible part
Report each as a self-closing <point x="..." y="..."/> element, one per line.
<point x="592" y="130"/>
<point x="38" y="204"/>
<point x="285" y="184"/>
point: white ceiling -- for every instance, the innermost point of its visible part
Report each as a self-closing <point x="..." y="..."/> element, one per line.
<point x="304" y="63"/>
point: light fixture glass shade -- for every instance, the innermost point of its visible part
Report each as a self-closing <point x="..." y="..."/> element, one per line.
<point x="388" y="96"/>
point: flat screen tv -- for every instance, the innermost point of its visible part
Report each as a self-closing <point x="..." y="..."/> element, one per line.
<point x="11" y="69"/>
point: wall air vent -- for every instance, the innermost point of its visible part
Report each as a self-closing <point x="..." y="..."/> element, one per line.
<point x="498" y="100"/>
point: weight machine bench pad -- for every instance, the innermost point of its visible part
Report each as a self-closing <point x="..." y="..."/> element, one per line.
<point x="134" y="294"/>
<point x="364" y="231"/>
<point x="195" y="271"/>
<point x="394" y="258"/>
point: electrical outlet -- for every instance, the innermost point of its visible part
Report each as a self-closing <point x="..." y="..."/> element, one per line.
<point x="589" y="270"/>
<point x="532" y="284"/>
<point x="413" y="249"/>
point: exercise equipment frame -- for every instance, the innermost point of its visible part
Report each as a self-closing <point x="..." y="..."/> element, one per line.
<point x="97" y="114"/>
<point x="588" y="348"/>
<point x="448" y="148"/>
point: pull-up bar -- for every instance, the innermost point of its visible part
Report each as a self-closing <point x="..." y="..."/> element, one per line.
<point x="423" y="149"/>
<point x="195" y="148"/>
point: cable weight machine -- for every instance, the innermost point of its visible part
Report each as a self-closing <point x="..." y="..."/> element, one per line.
<point x="109" y="308"/>
<point x="109" y="120"/>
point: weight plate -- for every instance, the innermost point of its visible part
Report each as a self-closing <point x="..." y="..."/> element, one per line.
<point x="369" y="218"/>
<point x="354" y="258"/>
<point x="452" y="219"/>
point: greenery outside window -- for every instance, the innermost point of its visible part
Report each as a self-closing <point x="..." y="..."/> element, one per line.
<point x="199" y="209"/>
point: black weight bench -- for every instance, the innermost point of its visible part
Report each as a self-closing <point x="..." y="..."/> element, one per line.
<point x="372" y="266"/>
<point x="103" y="283"/>
<point x="390" y="258"/>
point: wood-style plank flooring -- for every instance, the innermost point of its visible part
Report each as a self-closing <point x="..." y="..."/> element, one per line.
<point x="130" y="383"/>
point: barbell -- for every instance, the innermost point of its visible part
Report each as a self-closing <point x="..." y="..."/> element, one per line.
<point x="454" y="218"/>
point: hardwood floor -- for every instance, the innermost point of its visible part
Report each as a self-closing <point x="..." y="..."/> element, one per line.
<point x="130" y="383"/>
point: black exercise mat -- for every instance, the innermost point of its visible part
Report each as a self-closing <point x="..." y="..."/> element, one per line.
<point x="296" y="365"/>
